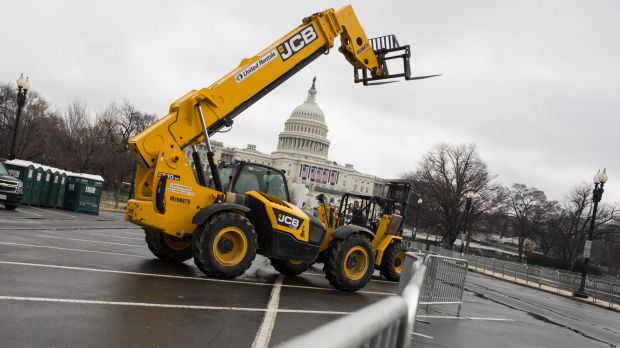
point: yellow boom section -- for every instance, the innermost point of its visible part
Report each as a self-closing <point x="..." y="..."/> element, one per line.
<point x="252" y="79"/>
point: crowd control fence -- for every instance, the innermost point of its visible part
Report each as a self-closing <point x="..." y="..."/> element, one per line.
<point x="386" y="323"/>
<point x="604" y="291"/>
<point x="444" y="282"/>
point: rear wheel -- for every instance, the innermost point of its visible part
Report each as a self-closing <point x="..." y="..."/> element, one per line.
<point x="225" y="247"/>
<point x="393" y="260"/>
<point x="167" y="247"/>
<point x="349" y="263"/>
<point x="290" y="267"/>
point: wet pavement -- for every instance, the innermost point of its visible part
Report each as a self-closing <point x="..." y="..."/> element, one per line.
<point x="502" y="314"/>
<point x="69" y="279"/>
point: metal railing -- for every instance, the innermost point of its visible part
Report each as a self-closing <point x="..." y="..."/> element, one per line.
<point x="386" y="323"/>
<point x="601" y="289"/>
<point x="444" y="282"/>
<point x="386" y="42"/>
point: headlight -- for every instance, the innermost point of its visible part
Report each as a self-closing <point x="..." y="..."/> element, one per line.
<point x="20" y="184"/>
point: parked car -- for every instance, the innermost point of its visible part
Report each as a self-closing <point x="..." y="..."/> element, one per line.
<point x="11" y="189"/>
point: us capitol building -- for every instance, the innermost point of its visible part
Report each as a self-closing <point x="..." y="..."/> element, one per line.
<point x="302" y="153"/>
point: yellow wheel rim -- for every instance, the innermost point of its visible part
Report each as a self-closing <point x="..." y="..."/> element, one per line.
<point x="230" y="246"/>
<point x="295" y="262"/>
<point x="398" y="261"/>
<point x="356" y="263"/>
<point x="175" y="243"/>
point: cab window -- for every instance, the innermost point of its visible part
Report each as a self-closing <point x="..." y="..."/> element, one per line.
<point x="274" y="185"/>
<point x="261" y="179"/>
<point x="247" y="181"/>
<point x="226" y="175"/>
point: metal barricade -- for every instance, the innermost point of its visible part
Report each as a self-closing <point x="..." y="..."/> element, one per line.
<point x="600" y="288"/>
<point x="444" y="282"/>
<point x="387" y="323"/>
<point x="549" y="277"/>
<point x="567" y="281"/>
<point x="533" y="275"/>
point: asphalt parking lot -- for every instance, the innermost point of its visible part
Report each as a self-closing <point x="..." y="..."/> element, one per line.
<point x="68" y="279"/>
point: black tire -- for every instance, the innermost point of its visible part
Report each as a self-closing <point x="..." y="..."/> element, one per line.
<point x="215" y="246"/>
<point x="10" y="207"/>
<point x="290" y="267"/>
<point x="167" y="247"/>
<point x="346" y="256"/>
<point x="392" y="261"/>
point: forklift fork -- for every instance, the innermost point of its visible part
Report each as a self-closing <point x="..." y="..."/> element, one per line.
<point x="387" y="48"/>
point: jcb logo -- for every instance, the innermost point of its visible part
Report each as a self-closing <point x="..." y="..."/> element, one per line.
<point x="288" y="221"/>
<point x="296" y="42"/>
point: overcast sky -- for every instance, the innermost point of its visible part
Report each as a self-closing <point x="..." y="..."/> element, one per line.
<point x="534" y="83"/>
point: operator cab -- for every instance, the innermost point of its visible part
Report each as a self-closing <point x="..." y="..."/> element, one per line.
<point x="363" y="210"/>
<point x="284" y="231"/>
<point x="241" y="177"/>
<point x="398" y="191"/>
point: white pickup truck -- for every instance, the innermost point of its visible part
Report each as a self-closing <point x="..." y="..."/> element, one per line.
<point x="11" y="189"/>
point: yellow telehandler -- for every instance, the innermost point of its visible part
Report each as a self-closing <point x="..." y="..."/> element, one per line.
<point x="243" y="208"/>
<point x="379" y="219"/>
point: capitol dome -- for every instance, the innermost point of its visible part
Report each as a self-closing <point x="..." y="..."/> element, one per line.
<point x="305" y="132"/>
<point x="310" y="109"/>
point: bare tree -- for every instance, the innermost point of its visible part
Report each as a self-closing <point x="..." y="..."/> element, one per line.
<point x="82" y="139"/>
<point x="527" y="207"/>
<point x="443" y="177"/>
<point x="75" y="138"/>
<point x="121" y="123"/>
<point x="8" y="98"/>
<point x="37" y="122"/>
<point x="544" y="233"/>
<point x="573" y="223"/>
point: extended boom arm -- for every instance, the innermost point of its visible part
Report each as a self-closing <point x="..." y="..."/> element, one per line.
<point x="200" y="113"/>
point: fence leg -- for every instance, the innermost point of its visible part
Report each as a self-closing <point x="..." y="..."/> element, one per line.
<point x="458" y="312"/>
<point x="540" y="279"/>
<point x="515" y="272"/>
<point x="558" y="272"/>
<point x="527" y="274"/>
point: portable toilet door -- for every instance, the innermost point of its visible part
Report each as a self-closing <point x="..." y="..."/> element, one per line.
<point x="35" y="193"/>
<point x="45" y="186"/>
<point x="70" y="199"/>
<point x="90" y="194"/>
<point x="24" y="171"/>
<point x="54" y="185"/>
<point x="62" y="186"/>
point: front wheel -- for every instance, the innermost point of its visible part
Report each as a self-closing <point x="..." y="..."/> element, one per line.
<point x="10" y="207"/>
<point x="290" y="267"/>
<point x="167" y="247"/>
<point x="393" y="260"/>
<point x="226" y="246"/>
<point x="349" y="263"/>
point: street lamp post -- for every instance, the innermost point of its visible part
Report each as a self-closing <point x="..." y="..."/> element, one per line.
<point x="469" y="196"/>
<point x="417" y="217"/>
<point x="599" y="181"/>
<point x="23" y="85"/>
